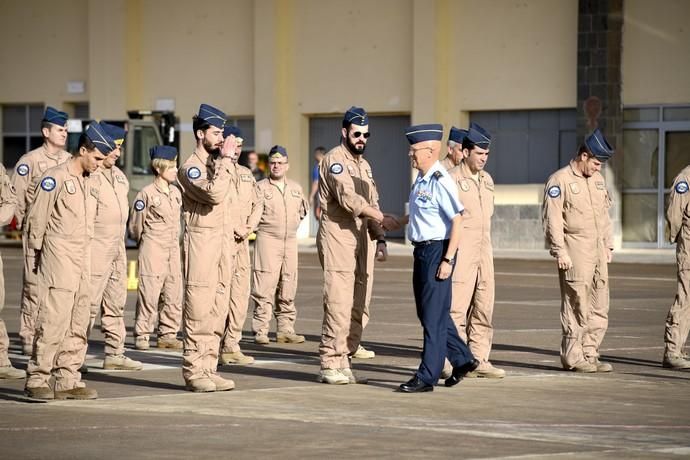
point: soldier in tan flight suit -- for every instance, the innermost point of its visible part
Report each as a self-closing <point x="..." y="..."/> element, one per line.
<point x="281" y="208"/>
<point x="207" y="197"/>
<point x="474" y="288"/>
<point x="246" y="194"/>
<point x="154" y="222"/>
<point x="27" y="172"/>
<point x="8" y="201"/>
<point x="59" y="228"/>
<point x="678" y="318"/>
<point x="578" y="231"/>
<point x="454" y="156"/>
<point x="109" y="256"/>
<point x="349" y="215"/>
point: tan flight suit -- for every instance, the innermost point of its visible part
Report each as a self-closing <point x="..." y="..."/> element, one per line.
<point x="154" y="222"/>
<point x="678" y="218"/>
<point x="346" y="252"/>
<point x="60" y="225"/>
<point x="274" y="277"/>
<point x="27" y="173"/>
<point x="8" y="201"/>
<point x="109" y="258"/>
<point x="576" y="223"/>
<point x="207" y="197"/>
<point x="473" y="278"/>
<point x="243" y="216"/>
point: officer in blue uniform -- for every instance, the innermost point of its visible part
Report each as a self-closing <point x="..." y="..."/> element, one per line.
<point x="434" y="230"/>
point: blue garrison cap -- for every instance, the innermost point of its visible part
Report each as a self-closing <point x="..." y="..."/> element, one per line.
<point x="277" y="151"/>
<point x="479" y="136"/>
<point x="100" y="138"/>
<point x="117" y="133"/>
<point x="166" y="152"/>
<point x="457" y="135"/>
<point x="421" y="133"/>
<point x="54" y="116"/>
<point x="212" y="115"/>
<point x="356" y="116"/>
<point x="596" y="145"/>
<point x="232" y="129"/>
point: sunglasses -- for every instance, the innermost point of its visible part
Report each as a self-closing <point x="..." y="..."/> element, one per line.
<point x="356" y="135"/>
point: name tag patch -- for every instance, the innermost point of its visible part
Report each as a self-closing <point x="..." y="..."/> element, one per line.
<point x="245" y="178"/>
<point x="69" y="185"/>
<point x="554" y="192"/>
<point x="120" y="179"/>
<point x="464" y="186"/>
<point x="574" y="188"/>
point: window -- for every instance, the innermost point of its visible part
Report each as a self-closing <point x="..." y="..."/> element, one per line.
<point x="247" y="127"/>
<point x="527" y="146"/>
<point x="145" y="137"/>
<point x="21" y="131"/>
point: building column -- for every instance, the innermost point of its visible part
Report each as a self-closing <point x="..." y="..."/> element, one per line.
<point x="599" y="50"/>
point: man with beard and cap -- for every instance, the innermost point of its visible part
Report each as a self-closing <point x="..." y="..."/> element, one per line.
<point x="8" y="201"/>
<point x="473" y="278"/>
<point x="280" y="209"/>
<point x="435" y="221"/>
<point x="579" y="234"/>
<point x="207" y="195"/>
<point x="154" y="222"/>
<point x="454" y="155"/>
<point x="350" y="225"/>
<point x="678" y="318"/>
<point x="28" y="171"/>
<point x="246" y="197"/>
<point x="60" y="228"/>
<point x="109" y="256"/>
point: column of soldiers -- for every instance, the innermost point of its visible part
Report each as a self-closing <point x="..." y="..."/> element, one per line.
<point x="73" y="211"/>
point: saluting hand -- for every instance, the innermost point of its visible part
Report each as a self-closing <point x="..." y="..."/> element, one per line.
<point x="229" y="146"/>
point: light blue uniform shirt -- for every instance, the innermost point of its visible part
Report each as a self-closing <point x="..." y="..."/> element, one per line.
<point x="434" y="203"/>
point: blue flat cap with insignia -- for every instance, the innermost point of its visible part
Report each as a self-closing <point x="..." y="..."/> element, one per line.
<point x="54" y="116"/>
<point x="118" y="134"/>
<point x="421" y="133"/>
<point x="596" y="145"/>
<point x="232" y="129"/>
<point x="479" y="136"/>
<point x="356" y="116"/>
<point x="457" y="135"/>
<point x="166" y="152"/>
<point x="212" y="115"/>
<point x="277" y="151"/>
<point x="100" y="138"/>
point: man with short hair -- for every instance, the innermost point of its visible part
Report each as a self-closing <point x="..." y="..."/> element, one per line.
<point x="59" y="229"/>
<point x="473" y="278"/>
<point x="579" y="234"/>
<point x="350" y="224"/>
<point x="206" y="200"/>
<point x="280" y="209"/>
<point x="435" y="221"/>
<point x="454" y="155"/>
<point x="244" y="202"/>
<point x="319" y="152"/>
<point x="109" y="256"/>
<point x="253" y="165"/>
<point x="678" y="318"/>
<point x="27" y="172"/>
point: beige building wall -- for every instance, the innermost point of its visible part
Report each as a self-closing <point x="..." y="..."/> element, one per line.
<point x="656" y="52"/>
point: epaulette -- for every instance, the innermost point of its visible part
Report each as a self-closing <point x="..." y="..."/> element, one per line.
<point x="437" y="175"/>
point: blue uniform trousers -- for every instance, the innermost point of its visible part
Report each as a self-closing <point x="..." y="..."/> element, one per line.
<point x="433" y="298"/>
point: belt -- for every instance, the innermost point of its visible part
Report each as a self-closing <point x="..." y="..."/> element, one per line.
<point x="417" y="244"/>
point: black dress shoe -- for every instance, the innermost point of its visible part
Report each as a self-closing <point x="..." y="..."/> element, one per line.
<point x="461" y="371"/>
<point x="415" y="385"/>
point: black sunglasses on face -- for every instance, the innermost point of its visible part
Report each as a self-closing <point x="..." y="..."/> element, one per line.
<point x="356" y="134"/>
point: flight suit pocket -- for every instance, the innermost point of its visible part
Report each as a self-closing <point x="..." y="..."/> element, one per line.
<point x="204" y="217"/>
<point x="202" y="257"/>
<point x="69" y="220"/>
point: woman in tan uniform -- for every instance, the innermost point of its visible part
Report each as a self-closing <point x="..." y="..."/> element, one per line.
<point x="154" y="222"/>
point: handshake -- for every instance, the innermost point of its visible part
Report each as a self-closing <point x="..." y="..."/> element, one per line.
<point x="391" y="222"/>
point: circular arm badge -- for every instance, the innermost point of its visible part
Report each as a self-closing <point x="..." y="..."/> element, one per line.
<point x="193" y="173"/>
<point x="48" y="184"/>
<point x="23" y="169"/>
<point x="682" y="187"/>
<point x="139" y="205"/>
<point x="336" y="168"/>
<point x="554" y="192"/>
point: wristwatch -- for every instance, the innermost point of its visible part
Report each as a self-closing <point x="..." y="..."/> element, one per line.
<point x="449" y="261"/>
<point x="383" y="242"/>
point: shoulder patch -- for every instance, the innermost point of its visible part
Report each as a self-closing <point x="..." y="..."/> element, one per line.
<point x="23" y="169"/>
<point x="48" y="184"/>
<point x="139" y="205"/>
<point x="682" y="187"/>
<point x="245" y="177"/>
<point x="120" y="179"/>
<point x="193" y="173"/>
<point x="554" y="192"/>
<point x="336" y="168"/>
<point x="438" y="174"/>
<point x="296" y="194"/>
